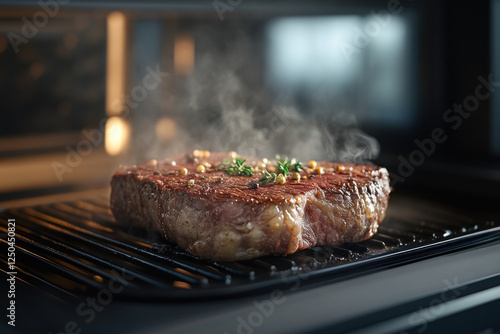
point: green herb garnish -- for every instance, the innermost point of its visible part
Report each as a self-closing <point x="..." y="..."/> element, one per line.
<point x="268" y="178"/>
<point x="283" y="167"/>
<point x="298" y="166"/>
<point x="237" y="167"/>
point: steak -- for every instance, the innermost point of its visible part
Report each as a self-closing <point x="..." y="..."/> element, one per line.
<point x="194" y="203"/>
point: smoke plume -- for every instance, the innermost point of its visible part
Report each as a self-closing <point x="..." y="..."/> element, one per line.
<point x="227" y="104"/>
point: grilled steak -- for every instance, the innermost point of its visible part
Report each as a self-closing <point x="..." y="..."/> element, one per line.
<point x="227" y="217"/>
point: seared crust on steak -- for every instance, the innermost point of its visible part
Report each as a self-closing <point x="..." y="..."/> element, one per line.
<point x="225" y="217"/>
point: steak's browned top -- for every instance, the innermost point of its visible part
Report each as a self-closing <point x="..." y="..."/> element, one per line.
<point x="213" y="183"/>
<point x="235" y="217"/>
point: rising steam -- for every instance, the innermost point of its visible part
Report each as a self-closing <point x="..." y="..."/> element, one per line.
<point x="223" y="105"/>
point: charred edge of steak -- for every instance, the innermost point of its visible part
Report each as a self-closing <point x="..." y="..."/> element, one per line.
<point x="224" y="217"/>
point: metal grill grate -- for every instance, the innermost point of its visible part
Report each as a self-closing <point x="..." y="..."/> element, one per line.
<point x="75" y="248"/>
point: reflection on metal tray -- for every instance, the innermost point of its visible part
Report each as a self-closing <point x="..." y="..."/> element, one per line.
<point x="75" y="248"/>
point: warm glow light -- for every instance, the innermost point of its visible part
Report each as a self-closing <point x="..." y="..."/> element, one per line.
<point x="183" y="54"/>
<point x="117" y="135"/>
<point x="166" y="129"/>
<point x="180" y="284"/>
<point x="115" y="63"/>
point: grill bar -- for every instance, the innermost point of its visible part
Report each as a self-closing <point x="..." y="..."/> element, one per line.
<point x="120" y="256"/>
<point x="76" y="247"/>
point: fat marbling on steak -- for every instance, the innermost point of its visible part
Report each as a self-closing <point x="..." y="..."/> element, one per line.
<point x="226" y="217"/>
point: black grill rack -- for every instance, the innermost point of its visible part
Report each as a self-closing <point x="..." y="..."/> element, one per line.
<point x="73" y="249"/>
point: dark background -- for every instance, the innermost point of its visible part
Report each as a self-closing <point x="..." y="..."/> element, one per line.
<point x="396" y="92"/>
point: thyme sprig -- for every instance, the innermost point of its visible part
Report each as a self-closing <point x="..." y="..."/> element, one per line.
<point x="298" y="166"/>
<point x="284" y="166"/>
<point x="268" y="177"/>
<point x="237" y="167"/>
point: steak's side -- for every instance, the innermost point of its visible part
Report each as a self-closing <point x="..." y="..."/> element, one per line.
<point x="223" y="218"/>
